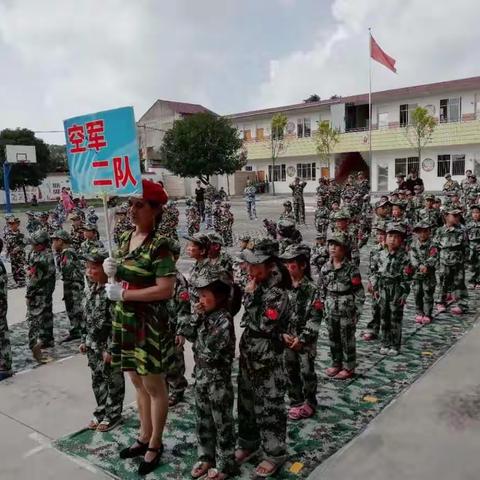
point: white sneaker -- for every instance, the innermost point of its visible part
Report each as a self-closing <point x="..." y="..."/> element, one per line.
<point x="392" y="352"/>
<point x="384" y="351"/>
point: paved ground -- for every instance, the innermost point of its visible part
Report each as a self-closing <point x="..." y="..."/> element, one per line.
<point x="439" y="413"/>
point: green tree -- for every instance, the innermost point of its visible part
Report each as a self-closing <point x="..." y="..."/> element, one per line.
<point x="23" y="175"/>
<point x="312" y="98"/>
<point x="325" y="139"/>
<point x="202" y="145"/>
<point x="420" y="129"/>
<point x="277" y="141"/>
<point x="58" y="158"/>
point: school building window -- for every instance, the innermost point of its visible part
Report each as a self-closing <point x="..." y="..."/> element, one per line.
<point x="406" y="113"/>
<point x="248" y="168"/>
<point x="247" y="135"/>
<point x="306" y="171"/>
<point x="382" y="178"/>
<point x="454" y="164"/>
<point x="458" y="164"/>
<point x="304" y="128"/>
<point x="450" y="109"/>
<point x="406" y="165"/>
<point x="277" y="174"/>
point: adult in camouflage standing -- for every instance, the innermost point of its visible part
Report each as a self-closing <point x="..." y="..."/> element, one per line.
<point x="214" y="351"/>
<point x="302" y="333"/>
<point x="297" y="188"/>
<point x="122" y="223"/>
<point x="209" y="199"/>
<point x="15" y="245"/>
<point x="142" y="341"/>
<point x="5" y="346"/>
<point x="40" y="287"/>
<point x="344" y="296"/>
<point x="108" y="384"/>
<point x="250" y="200"/>
<point x="72" y="271"/>
<point x="262" y="418"/>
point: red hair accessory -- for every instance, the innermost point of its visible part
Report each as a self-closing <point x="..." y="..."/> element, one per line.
<point x="154" y="192"/>
<point x="271" y="314"/>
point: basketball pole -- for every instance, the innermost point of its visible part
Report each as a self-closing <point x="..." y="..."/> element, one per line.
<point x="6" y="186"/>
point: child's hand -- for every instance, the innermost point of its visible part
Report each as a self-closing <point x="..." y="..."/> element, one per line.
<point x="402" y="302"/>
<point x="179" y="341"/>
<point x="423" y="269"/>
<point x="82" y="348"/>
<point x="288" y="339"/>
<point x="251" y="286"/>
<point x="376" y="294"/>
<point x="107" y="358"/>
<point x="198" y="308"/>
<point x="370" y="288"/>
<point x="296" y="345"/>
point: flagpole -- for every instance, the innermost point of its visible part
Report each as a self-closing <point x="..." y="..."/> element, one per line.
<point x="370" y="105"/>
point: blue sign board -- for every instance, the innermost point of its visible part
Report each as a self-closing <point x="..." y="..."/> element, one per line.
<point x="102" y="153"/>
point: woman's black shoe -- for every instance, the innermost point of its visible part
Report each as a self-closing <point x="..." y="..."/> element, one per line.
<point x="146" y="467"/>
<point x="134" y="451"/>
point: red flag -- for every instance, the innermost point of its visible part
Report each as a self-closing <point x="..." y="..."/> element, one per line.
<point x="380" y="56"/>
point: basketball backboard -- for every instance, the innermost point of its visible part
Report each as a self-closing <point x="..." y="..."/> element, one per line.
<point x="20" y="154"/>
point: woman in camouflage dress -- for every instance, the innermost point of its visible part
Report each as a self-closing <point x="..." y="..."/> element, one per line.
<point x="142" y="342"/>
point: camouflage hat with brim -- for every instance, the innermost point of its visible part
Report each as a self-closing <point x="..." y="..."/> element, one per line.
<point x="338" y="238"/>
<point x="295" y="251"/>
<point x="285" y="224"/>
<point x="212" y="275"/>
<point x="429" y="196"/>
<point x="398" y="204"/>
<point x="198" y="238"/>
<point x="75" y="217"/>
<point x="453" y="211"/>
<point x="384" y="203"/>
<point x="44" y="214"/>
<point x="244" y="238"/>
<point x="62" y="235"/>
<point x="39" y="237"/>
<point x="447" y="175"/>
<point x="263" y="250"/>
<point x="214" y="237"/>
<point x="396" y="228"/>
<point x="422" y="226"/>
<point x="341" y="215"/>
<point x="91" y="227"/>
<point x="13" y="220"/>
<point x="96" y="255"/>
<point x="379" y="225"/>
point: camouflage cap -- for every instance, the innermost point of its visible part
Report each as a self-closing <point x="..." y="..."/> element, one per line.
<point x="285" y="224"/>
<point x="384" y="203"/>
<point x="422" y="225"/>
<point x="214" y="237"/>
<point x="244" y="238"/>
<point x="429" y="196"/>
<point x="400" y="175"/>
<point x="13" y="220"/>
<point x="447" y="175"/>
<point x="263" y="249"/>
<point x="453" y="211"/>
<point x="296" y="250"/>
<point x="212" y="275"/>
<point x="44" y="214"/>
<point x="62" y="235"/>
<point x="287" y="203"/>
<point x="96" y="255"/>
<point x="341" y="215"/>
<point x="380" y="225"/>
<point x="398" y="204"/>
<point x="75" y="217"/>
<point x="338" y="238"/>
<point x="198" y="238"/>
<point x="90" y="226"/>
<point x="39" y="237"/>
<point x="396" y="228"/>
<point x="188" y="202"/>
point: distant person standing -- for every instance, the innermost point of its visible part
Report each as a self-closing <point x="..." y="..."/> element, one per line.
<point x="298" y="201"/>
<point x="250" y="200"/>
<point x="34" y="201"/>
<point x="414" y="180"/>
<point x="200" y="199"/>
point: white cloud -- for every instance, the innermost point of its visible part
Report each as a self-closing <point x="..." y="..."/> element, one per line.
<point x="431" y="42"/>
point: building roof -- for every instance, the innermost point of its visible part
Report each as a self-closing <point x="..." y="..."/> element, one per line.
<point x="180" y="107"/>
<point x="381" y="96"/>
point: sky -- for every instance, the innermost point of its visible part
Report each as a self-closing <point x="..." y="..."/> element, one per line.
<point x="62" y="58"/>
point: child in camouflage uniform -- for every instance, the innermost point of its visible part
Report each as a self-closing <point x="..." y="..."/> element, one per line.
<point x="217" y="216"/>
<point x="391" y="286"/>
<point x="193" y="217"/>
<point x="76" y="232"/>
<point x="73" y="282"/>
<point x="5" y="346"/>
<point x="302" y="333"/>
<point x="122" y="223"/>
<point x="40" y="287"/>
<point x="262" y="418"/>
<point x="108" y="384"/>
<point x="344" y="296"/>
<point x="15" y="245"/>
<point x="451" y="241"/>
<point x="227" y="224"/>
<point x="91" y="242"/>
<point x="214" y="351"/>
<point x="424" y="259"/>
<point x="473" y="231"/>
<point x="32" y="222"/>
<point x="322" y="214"/>
<point x="320" y="254"/>
<point x="287" y="213"/>
<point x="216" y="255"/>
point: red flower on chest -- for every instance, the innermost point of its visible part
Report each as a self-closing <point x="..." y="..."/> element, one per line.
<point x="408" y="270"/>
<point x="433" y="251"/>
<point x="318" y="305"/>
<point x="271" y="314"/>
<point x="184" y="296"/>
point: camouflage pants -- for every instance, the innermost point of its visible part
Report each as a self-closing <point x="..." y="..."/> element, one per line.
<point x="39" y="318"/>
<point x="475" y="267"/>
<point x="18" y="267"/>
<point x="451" y="280"/>
<point x="251" y="209"/>
<point x="193" y="228"/>
<point x="262" y="416"/>
<point x="72" y="295"/>
<point x="5" y="347"/>
<point x="391" y="316"/>
<point x="299" y="209"/>
<point x="215" y="424"/>
<point x="423" y="291"/>
<point x="208" y="215"/>
<point x="373" y="326"/>
<point x="108" y="385"/>
<point x="341" y="334"/>
<point x="302" y="378"/>
<point x="201" y="210"/>
<point x="177" y="383"/>
<point x="322" y="226"/>
<point x="227" y="237"/>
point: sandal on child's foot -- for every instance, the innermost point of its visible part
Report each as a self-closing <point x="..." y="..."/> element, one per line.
<point x="243" y="455"/>
<point x="419" y="318"/>
<point x="214" y="474"/>
<point x="266" y="469"/>
<point x="344" y="374"/>
<point x="93" y="424"/>
<point x="137" y="449"/>
<point x="106" y="425"/>
<point x="384" y="351"/>
<point x="295" y="413"/>
<point x="307" y="411"/>
<point x="426" y="320"/>
<point x="147" y="467"/>
<point x="332" y="371"/>
<point x="200" y="469"/>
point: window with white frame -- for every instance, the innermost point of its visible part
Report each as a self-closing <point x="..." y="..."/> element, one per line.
<point x="304" y="128"/>
<point x="382" y="178"/>
<point x="450" y="109"/>
<point x="277" y="174"/>
<point x="443" y="165"/>
<point x="406" y="165"/>
<point x="406" y="113"/>
<point x="248" y="168"/>
<point x="453" y="164"/>
<point x="383" y="120"/>
<point x="306" y="171"/>
<point x="458" y="165"/>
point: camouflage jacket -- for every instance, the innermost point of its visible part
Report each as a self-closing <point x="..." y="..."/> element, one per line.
<point x="373" y="259"/>
<point x="306" y="311"/>
<point x="3" y="289"/>
<point x="249" y="193"/>
<point x="451" y="186"/>
<point x="179" y="309"/>
<point x="120" y="228"/>
<point x="453" y="245"/>
<point x="40" y="272"/>
<point x="193" y="217"/>
<point x="393" y="269"/>
<point x="97" y="329"/>
<point x="431" y="216"/>
<point x="224" y="260"/>
<point x="226" y="221"/>
<point x="287" y="215"/>
<point x="15" y="242"/>
<point x="344" y="282"/>
<point x="198" y="270"/>
<point x="32" y="225"/>
<point x="88" y="245"/>
<point x="425" y="254"/>
<point x="322" y="215"/>
<point x="71" y="267"/>
<point x="473" y="232"/>
<point x="77" y="236"/>
<point x="319" y="256"/>
<point x="297" y="190"/>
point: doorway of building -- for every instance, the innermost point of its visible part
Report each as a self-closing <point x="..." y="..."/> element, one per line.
<point x="349" y="163"/>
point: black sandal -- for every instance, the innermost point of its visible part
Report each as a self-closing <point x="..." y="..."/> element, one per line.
<point x="147" y="467"/>
<point x="134" y="451"/>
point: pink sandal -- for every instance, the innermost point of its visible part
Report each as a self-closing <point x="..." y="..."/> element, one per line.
<point x="306" y="411"/>
<point x="295" y="413"/>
